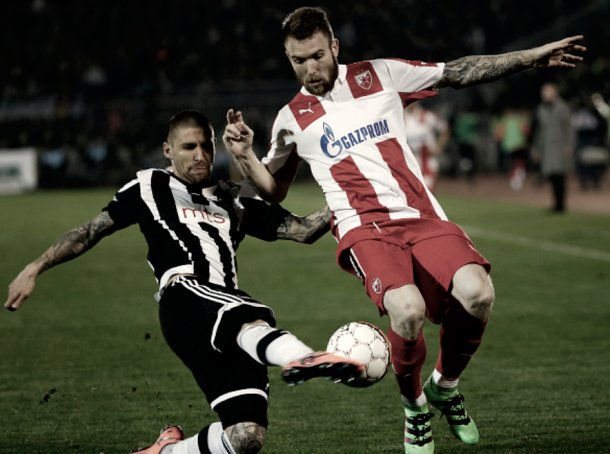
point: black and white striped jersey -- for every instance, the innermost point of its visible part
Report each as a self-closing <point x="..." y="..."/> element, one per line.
<point x="193" y="230"/>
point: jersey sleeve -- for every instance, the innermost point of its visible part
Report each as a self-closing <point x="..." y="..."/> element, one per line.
<point x="260" y="220"/>
<point x="123" y="208"/>
<point x="282" y="160"/>
<point x="411" y="76"/>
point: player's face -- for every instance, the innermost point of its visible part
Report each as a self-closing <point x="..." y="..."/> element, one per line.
<point x="314" y="62"/>
<point x="192" y="153"/>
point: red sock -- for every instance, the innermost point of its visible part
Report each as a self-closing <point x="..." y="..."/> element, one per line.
<point x="460" y="335"/>
<point x="408" y="357"/>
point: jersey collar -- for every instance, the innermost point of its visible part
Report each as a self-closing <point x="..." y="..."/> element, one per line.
<point x="207" y="190"/>
<point x="338" y="83"/>
<point x="342" y="75"/>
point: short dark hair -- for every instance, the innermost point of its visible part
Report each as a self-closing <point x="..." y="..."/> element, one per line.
<point x="304" y="22"/>
<point x="189" y="118"/>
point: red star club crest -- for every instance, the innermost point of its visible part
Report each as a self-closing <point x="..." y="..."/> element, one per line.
<point x="364" y="79"/>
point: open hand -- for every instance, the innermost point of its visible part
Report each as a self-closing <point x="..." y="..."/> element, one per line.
<point x="559" y="53"/>
<point x="20" y="289"/>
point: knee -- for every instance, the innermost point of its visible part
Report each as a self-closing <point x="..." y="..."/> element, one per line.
<point x="246" y="438"/>
<point x="478" y="297"/>
<point x="407" y="310"/>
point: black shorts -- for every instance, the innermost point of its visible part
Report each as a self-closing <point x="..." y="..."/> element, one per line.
<point x="200" y="322"/>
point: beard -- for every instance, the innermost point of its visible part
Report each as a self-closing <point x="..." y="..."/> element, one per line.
<point x="326" y="85"/>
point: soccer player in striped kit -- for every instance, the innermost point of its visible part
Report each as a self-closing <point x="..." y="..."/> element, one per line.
<point x="427" y="135"/>
<point x="193" y="226"/>
<point x="347" y="123"/>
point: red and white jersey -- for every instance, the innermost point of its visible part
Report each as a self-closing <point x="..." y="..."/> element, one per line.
<point x="354" y="139"/>
<point x="423" y="128"/>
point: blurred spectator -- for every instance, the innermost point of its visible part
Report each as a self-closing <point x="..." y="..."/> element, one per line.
<point x="604" y="109"/>
<point x="554" y="141"/>
<point x="512" y="132"/>
<point x="591" y="156"/>
<point x="466" y="134"/>
<point x="96" y="159"/>
<point x="427" y="136"/>
<point x="94" y="80"/>
<point x="53" y="165"/>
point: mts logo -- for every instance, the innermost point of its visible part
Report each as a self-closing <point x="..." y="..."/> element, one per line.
<point x="204" y="215"/>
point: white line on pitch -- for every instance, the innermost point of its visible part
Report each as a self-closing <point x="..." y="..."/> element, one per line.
<point x="538" y="244"/>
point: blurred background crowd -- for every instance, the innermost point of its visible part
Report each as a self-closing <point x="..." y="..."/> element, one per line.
<point x="91" y="85"/>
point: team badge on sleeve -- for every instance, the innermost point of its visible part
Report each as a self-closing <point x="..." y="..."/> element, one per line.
<point x="364" y="79"/>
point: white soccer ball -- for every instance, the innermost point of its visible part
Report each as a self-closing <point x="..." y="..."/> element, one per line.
<point x="366" y="344"/>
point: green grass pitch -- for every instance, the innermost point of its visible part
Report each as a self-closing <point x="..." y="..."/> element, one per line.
<point x="84" y="367"/>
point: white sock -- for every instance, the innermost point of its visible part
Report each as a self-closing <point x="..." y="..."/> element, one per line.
<point x="442" y="381"/>
<point x="270" y="346"/>
<point x="188" y="446"/>
<point x="218" y="442"/>
<point x="421" y="400"/>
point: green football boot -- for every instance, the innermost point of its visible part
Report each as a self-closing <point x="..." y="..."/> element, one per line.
<point x="418" y="430"/>
<point x="451" y="405"/>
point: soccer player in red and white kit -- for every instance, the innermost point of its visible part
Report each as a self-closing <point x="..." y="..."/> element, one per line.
<point x="427" y="136"/>
<point x="347" y="123"/>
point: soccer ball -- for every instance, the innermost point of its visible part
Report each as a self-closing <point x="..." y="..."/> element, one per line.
<point x="366" y="344"/>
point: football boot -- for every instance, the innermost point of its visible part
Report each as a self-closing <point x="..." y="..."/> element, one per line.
<point x="322" y="364"/>
<point x="418" y="430"/>
<point x="451" y="405"/>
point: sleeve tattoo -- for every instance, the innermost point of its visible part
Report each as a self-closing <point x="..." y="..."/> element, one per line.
<point x="77" y="241"/>
<point x="479" y="69"/>
<point x="307" y="229"/>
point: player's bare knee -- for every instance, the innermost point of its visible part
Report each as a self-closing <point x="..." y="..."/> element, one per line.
<point x="479" y="299"/>
<point x="472" y="287"/>
<point x="481" y="308"/>
<point x="407" y="310"/>
<point x="246" y="438"/>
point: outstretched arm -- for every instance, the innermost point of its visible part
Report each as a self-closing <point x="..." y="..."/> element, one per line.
<point x="68" y="247"/>
<point x="479" y="69"/>
<point x="307" y="229"/>
<point x="238" y="141"/>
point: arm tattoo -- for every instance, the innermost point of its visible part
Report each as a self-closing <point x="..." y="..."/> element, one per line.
<point x="479" y="69"/>
<point x="306" y="229"/>
<point x="246" y="437"/>
<point x="77" y="241"/>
